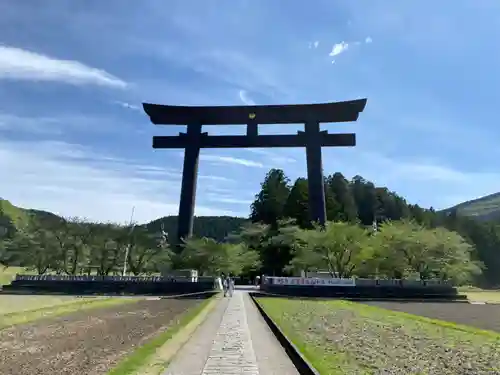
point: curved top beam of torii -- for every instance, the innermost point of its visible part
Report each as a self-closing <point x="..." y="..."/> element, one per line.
<point x="262" y="114"/>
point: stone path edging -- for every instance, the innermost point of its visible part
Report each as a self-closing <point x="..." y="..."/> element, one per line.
<point x="301" y="363"/>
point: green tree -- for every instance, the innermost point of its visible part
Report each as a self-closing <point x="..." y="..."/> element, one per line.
<point x="410" y="248"/>
<point x="341" y="191"/>
<point x="333" y="207"/>
<point x="274" y="255"/>
<point x="389" y="244"/>
<point x="146" y="252"/>
<point x="339" y="248"/>
<point x="269" y="203"/>
<point x="107" y="250"/>
<point x="454" y="257"/>
<point x="210" y="257"/>
<point x="365" y="196"/>
<point x="34" y="246"/>
<point x="297" y="204"/>
<point x="73" y="238"/>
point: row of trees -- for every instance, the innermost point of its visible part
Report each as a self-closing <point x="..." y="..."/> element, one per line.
<point x="359" y="201"/>
<point x="76" y="247"/>
<point x="279" y="239"/>
<point x="400" y="249"/>
<point x="355" y="201"/>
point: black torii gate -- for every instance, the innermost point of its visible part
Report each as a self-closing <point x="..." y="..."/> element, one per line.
<point x="311" y="138"/>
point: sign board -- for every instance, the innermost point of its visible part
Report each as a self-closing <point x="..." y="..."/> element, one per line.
<point x="312" y="281"/>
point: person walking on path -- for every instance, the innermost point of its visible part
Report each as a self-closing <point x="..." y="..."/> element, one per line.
<point x="230" y="285"/>
<point x="224" y="284"/>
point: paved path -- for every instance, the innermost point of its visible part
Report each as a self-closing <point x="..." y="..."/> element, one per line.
<point x="234" y="339"/>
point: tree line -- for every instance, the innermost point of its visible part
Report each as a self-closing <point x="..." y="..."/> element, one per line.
<point x="277" y="239"/>
<point x="77" y="247"/>
<point x="398" y="249"/>
<point x="360" y="203"/>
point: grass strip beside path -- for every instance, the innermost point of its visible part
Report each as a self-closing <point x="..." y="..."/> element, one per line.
<point x="153" y="357"/>
<point x="27" y="316"/>
<point x="484" y="296"/>
<point x="342" y="337"/>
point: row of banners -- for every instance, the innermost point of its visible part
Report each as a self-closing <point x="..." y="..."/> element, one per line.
<point x="311" y="281"/>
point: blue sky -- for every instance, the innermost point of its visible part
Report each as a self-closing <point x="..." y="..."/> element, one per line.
<point x="74" y="140"/>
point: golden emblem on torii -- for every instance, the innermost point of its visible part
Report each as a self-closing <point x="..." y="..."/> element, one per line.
<point x="251" y="116"/>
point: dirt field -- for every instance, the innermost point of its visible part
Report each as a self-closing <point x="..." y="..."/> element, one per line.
<point x="88" y="342"/>
<point x="479" y="316"/>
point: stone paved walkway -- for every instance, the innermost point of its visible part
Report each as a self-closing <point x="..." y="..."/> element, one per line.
<point x="234" y="339"/>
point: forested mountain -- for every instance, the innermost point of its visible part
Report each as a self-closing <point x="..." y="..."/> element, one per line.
<point x="485" y="208"/>
<point x="216" y="227"/>
<point x="356" y="201"/>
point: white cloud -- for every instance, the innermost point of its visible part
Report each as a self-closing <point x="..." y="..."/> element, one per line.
<point x="368" y="40"/>
<point x="245" y="98"/>
<point x="43" y="125"/>
<point x="215" y="178"/>
<point x="339" y="48"/>
<point x="71" y="180"/>
<point x="222" y="199"/>
<point x="129" y="106"/>
<point x="231" y="160"/>
<point x="57" y="125"/>
<point x="19" y="64"/>
<point x="272" y="157"/>
<point x="150" y="170"/>
<point x="314" y="44"/>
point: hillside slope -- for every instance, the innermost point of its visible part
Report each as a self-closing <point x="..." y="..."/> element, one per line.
<point x="15" y="214"/>
<point x="217" y="227"/>
<point x="484" y="208"/>
<point x="11" y="217"/>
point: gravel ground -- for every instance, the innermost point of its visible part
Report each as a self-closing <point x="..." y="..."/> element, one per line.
<point x="479" y="316"/>
<point x="342" y="337"/>
<point x="88" y="342"/>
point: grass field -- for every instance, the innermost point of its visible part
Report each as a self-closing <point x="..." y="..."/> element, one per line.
<point x="40" y="307"/>
<point x="18" y="303"/>
<point x="7" y="274"/>
<point x="341" y="337"/>
<point x="484" y="296"/>
<point x="10" y="304"/>
<point x="18" y="309"/>
<point x="480" y="295"/>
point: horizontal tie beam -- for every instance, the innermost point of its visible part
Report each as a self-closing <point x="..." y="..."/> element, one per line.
<point x="236" y="141"/>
